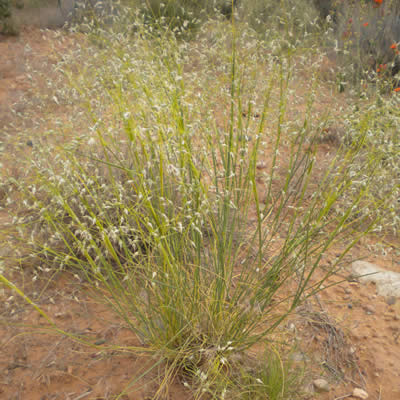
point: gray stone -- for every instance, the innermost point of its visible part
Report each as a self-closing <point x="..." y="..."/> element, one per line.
<point x="391" y="300"/>
<point x="387" y="282"/>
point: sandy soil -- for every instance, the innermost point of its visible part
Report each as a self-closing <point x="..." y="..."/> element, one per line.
<point x="350" y="335"/>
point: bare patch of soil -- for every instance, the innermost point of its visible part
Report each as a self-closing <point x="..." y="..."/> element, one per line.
<point x="38" y="363"/>
<point x="371" y="325"/>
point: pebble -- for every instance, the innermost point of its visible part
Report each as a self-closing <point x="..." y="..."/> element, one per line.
<point x="369" y="309"/>
<point x="62" y="315"/>
<point x="360" y="394"/>
<point x="261" y="165"/>
<point x="321" y="385"/>
<point x="387" y="282"/>
<point x="391" y="300"/>
<point x="299" y="357"/>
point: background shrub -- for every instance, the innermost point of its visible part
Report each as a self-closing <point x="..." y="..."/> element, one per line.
<point x="5" y="10"/>
<point x="6" y="23"/>
<point x="291" y="18"/>
<point x="365" y="33"/>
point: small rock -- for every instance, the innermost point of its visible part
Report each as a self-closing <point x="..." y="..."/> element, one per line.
<point x="261" y="165"/>
<point x="360" y="394"/>
<point x="321" y="385"/>
<point x="292" y="327"/>
<point x="299" y="357"/>
<point x="5" y="252"/>
<point x="391" y="300"/>
<point x="387" y="282"/>
<point x="369" y="309"/>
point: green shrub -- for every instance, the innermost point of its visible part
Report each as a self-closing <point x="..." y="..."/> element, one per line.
<point x="5" y="9"/>
<point x="366" y="32"/>
<point x="177" y="15"/>
<point x="7" y="25"/>
<point x="289" y="19"/>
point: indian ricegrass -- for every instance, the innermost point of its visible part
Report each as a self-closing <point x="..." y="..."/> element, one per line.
<point x="161" y="207"/>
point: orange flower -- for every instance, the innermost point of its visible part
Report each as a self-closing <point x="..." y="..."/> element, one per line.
<point x="381" y="68"/>
<point x="365" y="23"/>
<point x="377" y="3"/>
<point x="394" y="46"/>
<point x="397" y="89"/>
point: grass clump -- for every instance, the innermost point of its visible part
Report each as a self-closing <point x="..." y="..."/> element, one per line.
<point x="165" y="208"/>
<point x="377" y="123"/>
<point x="275" y="381"/>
